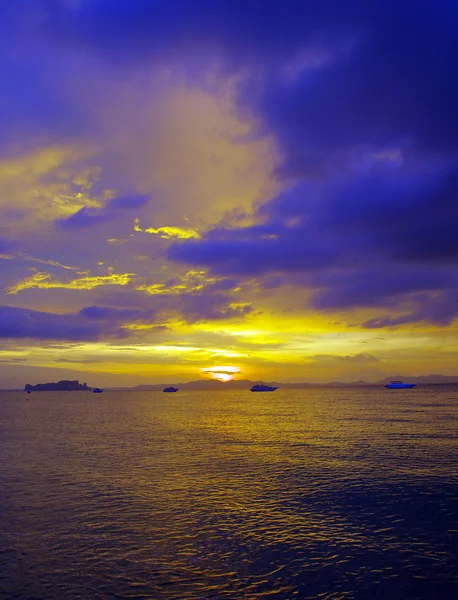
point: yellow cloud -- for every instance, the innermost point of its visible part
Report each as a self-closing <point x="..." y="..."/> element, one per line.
<point x="168" y="233"/>
<point x="192" y="281"/>
<point x="190" y="144"/>
<point x="37" y="163"/>
<point x="39" y="186"/>
<point x="139" y="326"/>
<point x="53" y="263"/>
<point x="44" y="281"/>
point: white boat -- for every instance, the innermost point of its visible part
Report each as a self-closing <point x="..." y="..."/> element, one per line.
<point x="262" y="387"/>
<point x="399" y="385"/>
<point x="97" y="390"/>
<point x="170" y="389"/>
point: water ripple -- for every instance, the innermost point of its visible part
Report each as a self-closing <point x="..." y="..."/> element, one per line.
<point x="298" y="494"/>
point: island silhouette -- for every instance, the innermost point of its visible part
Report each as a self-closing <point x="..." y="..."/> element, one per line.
<point x="60" y="386"/>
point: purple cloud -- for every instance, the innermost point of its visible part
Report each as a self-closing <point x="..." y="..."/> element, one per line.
<point x="361" y="242"/>
<point x="360" y="98"/>
<point x="16" y="323"/>
<point x="128" y="202"/>
<point x="283" y="251"/>
<point x="117" y="315"/>
<point x="439" y="309"/>
<point x="207" y="307"/>
<point x="4" y="246"/>
<point x="91" y="217"/>
<point x="85" y="217"/>
<point x="223" y="285"/>
<point x="326" y="80"/>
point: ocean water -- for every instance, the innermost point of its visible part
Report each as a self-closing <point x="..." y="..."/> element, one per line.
<point x="318" y="493"/>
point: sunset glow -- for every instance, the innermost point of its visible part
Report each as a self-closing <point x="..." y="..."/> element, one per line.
<point x="236" y="223"/>
<point x="223" y="374"/>
<point x="161" y="210"/>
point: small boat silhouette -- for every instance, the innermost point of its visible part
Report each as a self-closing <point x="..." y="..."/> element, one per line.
<point x="399" y="385"/>
<point x="262" y="387"/>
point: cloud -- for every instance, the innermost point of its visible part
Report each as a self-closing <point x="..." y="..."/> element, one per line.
<point x="91" y="323"/>
<point x="317" y="154"/>
<point x="16" y="323"/>
<point x="188" y="299"/>
<point x="107" y="314"/>
<point x="191" y="282"/>
<point x="374" y="181"/>
<point x="168" y="232"/>
<point x="91" y="217"/>
<point x="402" y="215"/>
<point x="203" y="307"/>
<point x="40" y="185"/>
<point x="44" y="280"/>
<point x="349" y="367"/>
<point x="439" y="309"/>
<point x="85" y="217"/>
<point x="367" y="241"/>
<point x="129" y="202"/>
<point x="354" y="360"/>
<point x="253" y="256"/>
<point x="346" y="84"/>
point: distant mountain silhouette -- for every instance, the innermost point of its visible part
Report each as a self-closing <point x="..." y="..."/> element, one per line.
<point x="60" y="386"/>
<point x="422" y="379"/>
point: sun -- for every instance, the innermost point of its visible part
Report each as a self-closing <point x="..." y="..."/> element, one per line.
<point x="223" y="374"/>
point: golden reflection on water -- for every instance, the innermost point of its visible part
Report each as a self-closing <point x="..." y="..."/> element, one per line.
<point x="289" y="494"/>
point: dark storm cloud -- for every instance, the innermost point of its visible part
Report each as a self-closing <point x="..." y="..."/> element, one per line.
<point x="393" y="87"/>
<point x="393" y="216"/>
<point x="328" y="78"/>
<point x="371" y="73"/>
<point x="138" y="29"/>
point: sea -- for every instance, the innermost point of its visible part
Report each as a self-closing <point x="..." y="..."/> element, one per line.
<point x="322" y="493"/>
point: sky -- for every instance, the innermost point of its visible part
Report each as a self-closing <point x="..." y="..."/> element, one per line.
<point x="261" y="189"/>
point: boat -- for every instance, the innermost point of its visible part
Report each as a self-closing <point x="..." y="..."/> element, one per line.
<point x="262" y="387"/>
<point x="399" y="385"/>
<point x="170" y="389"/>
<point x="97" y="390"/>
